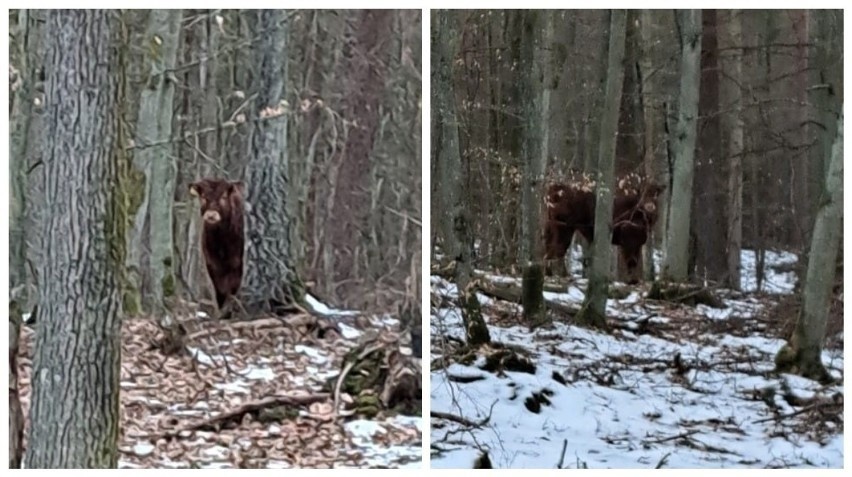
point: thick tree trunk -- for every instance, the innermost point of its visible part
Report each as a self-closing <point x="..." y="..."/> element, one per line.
<point x="459" y="240"/>
<point x="75" y="398"/>
<point x="154" y="155"/>
<point x="675" y="264"/>
<point x="802" y="217"/>
<point x="534" y="152"/>
<point x="593" y="312"/>
<point x="708" y="199"/>
<point x="730" y="95"/>
<point x="804" y="355"/>
<point x="366" y="67"/>
<point x="270" y="280"/>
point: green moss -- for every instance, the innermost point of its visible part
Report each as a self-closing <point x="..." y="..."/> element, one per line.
<point x="168" y="282"/>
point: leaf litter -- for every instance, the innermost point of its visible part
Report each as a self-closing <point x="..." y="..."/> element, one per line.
<point x="167" y="400"/>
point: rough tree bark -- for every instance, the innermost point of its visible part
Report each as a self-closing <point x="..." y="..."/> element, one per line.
<point x="270" y="280"/>
<point x="708" y="198"/>
<point x="365" y="65"/>
<point x="803" y="355"/>
<point x="75" y="398"/>
<point x="593" y="312"/>
<point x="730" y="97"/>
<point x="675" y="263"/>
<point x="154" y="155"/>
<point x="21" y="81"/>
<point x="459" y="240"/>
<point x="533" y="156"/>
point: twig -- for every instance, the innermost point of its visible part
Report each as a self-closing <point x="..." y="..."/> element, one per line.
<point x="663" y="461"/>
<point x="562" y="456"/>
<point x="671" y="438"/>
<point x="457" y="419"/>
<point x="780" y="417"/>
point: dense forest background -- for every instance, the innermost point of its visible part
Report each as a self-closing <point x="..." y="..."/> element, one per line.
<point x="352" y="100"/>
<point x="771" y="89"/>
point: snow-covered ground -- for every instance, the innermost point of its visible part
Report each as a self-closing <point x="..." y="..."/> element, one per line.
<point x="671" y="386"/>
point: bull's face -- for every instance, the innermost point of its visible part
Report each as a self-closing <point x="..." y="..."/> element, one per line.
<point x="218" y="198"/>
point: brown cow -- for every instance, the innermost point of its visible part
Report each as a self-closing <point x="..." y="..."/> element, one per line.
<point x="571" y="207"/>
<point x="222" y="237"/>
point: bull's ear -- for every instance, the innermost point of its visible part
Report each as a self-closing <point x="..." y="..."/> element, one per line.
<point x="238" y="186"/>
<point x="195" y="189"/>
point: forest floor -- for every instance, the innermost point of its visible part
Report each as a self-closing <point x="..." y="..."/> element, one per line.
<point x="212" y="404"/>
<point x="671" y="386"/>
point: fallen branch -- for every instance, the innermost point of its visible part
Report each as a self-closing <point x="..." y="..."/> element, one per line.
<point x="510" y="291"/>
<point x="235" y="416"/>
<point x="457" y="419"/>
<point x="671" y="438"/>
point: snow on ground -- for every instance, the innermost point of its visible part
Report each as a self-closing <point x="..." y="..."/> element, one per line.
<point x="671" y="386"/>
<point x="233" y="364"/>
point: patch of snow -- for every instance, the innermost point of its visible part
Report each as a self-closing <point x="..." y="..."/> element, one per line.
<point x="142" y="449"/>
<point x="203" y="358"/>
<point x="323" y="309"/>
<point x="258" y="373"/>
<point x="238" y="387"/>
<point x="315" y="355"/>
<point x="363" y="434"/>
<point x="348" y="332"/>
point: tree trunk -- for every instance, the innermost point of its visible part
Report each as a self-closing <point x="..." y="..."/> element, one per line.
<point x="75" y="397"/>
<point x="654" y="110"/>
<point x="459" y="240"/>
<point x="802" y="218"/>
<point x="154" y="156"/>
<point x="593" y="312"/>
<point x="730" y="95"/>
<point x="804" y="355"/>
<point x="533" y="156"/>
<point x="365" y="67"/>
<point x="708" y="199"/>
<point x="675" y="264"/>
<point x="270" y="278"/>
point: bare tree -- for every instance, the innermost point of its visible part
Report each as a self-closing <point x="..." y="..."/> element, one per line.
<point x="459" y="242"/>
<point x="75" y="396"/>
<point x="803" y="355"/>
<point x="533" y="157"/>
<point x="270" y="278"/>
<point x="675" y="265"/>
<point x="593" y="311"/>
<point x="730" y="96"/>
<point x="152" y="239"/>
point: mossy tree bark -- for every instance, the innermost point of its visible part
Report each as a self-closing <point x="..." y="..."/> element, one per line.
<point x="22" y="81"/>
<point x="458" y="240"/>
<point x="75" y="397"/>
<point x="533" y="66"/>
<point x="804" y="354"/>
<point x="593" y="312"/>
<point x="154" y="155"/>
<point x="271" y="279"/>
<point x="676" y="260"/>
